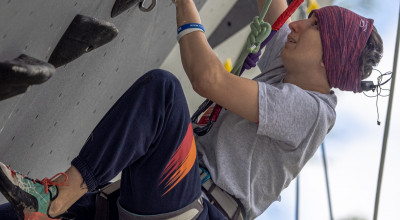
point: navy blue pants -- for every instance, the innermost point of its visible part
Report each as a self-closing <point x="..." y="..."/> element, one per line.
<point x="147" y="135"/>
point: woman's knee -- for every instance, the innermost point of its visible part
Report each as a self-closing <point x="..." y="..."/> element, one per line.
<point x="159" y="74"/>
<point x="160" y="79"/>
<point x="155" y="82"/>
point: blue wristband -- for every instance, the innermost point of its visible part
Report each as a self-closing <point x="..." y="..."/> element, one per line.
<point x="191" y="25"/>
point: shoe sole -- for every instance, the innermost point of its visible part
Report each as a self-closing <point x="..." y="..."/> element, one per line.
<point x="21" y="201"/>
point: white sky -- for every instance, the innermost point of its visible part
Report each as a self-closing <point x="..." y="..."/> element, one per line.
<point x="354" y="146"/>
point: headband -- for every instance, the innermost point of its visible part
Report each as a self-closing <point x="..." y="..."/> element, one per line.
<point x="344" y="35"/>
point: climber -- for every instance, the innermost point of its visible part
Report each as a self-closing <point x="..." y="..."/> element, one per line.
<point x="272" y="126"/>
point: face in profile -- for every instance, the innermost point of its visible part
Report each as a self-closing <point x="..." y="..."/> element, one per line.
<point x="303" y="46"/>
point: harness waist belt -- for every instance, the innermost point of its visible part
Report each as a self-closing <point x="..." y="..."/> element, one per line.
<point x="231" y="207"/>
<point x="190" y="212"/>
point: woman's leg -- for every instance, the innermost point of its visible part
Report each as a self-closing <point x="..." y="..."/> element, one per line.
<point x="148" y="136"/>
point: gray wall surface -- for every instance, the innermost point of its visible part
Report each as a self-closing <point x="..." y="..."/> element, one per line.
<point x="42" y="130"/>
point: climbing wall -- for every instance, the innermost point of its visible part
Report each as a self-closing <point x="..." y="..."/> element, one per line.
<point x="42" y="130"/>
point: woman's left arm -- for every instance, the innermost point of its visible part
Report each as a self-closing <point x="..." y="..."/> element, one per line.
<point x="206" y="72"/>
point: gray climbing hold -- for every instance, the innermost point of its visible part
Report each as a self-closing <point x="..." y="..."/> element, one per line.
<point x="83" y="35"/>
<point x="18" y="74"/>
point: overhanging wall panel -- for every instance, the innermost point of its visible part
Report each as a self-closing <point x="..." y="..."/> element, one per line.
<point x="44" y="129"/>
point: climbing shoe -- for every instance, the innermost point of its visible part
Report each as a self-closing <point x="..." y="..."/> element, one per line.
<point x="83" y="35"/>
<point x="30" y="198"/>
<point x="18" y="74"/>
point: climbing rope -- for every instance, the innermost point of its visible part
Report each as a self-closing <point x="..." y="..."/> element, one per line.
<point x="387" y="124"/>
<point x="327" y="180"/>
<point x="255" y="38"/>
<point x="297" y="208"/>
<point x="261" y="34"/>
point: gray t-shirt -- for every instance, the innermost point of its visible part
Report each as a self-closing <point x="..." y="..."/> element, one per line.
<point x="256" y="161"/>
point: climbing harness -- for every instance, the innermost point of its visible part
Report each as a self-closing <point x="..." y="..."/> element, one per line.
<point x="190" y="212"/>
<point x="248" y="59"/>
<point x="108" y="207"/>
<point x="228" y="205"/>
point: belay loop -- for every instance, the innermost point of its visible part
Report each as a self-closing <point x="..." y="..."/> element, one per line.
<point x="261" y="34"/>
<point x="142" y="8"/>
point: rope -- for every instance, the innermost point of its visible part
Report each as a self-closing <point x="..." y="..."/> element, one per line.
<point x="253" y="58"/>
<point x="387" y="124"/>
<point x="327" y="180"/>
<point x="260" y="31"/>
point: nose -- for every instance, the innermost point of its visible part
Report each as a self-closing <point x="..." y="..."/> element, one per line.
<point x="296" y="26"/>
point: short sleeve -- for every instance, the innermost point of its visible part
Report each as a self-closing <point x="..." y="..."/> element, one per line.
<point x="286" y="112"/>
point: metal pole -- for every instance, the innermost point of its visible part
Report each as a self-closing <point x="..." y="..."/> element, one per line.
<point x="297" y="196"/>
<point x="387" y="125"/>
<point x="327" y="180"/>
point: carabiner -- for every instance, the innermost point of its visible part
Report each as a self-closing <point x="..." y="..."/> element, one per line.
<point x="153" y="4"/>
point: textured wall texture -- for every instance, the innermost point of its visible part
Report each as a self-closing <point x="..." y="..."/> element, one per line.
<point x="42" y="130"/>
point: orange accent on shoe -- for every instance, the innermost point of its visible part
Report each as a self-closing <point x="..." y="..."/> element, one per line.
<point x="37" y="216"/>
<point x="49" y="182"/>
<point x="12" y="171"/>
<point x="46" y="181"/>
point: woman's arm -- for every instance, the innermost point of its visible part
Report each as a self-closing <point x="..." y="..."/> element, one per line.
<point x="275" y="9"/>
<point x="207" y="74"/>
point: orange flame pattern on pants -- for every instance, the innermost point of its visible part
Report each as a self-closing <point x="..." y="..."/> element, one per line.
<point x="181" y="162"/>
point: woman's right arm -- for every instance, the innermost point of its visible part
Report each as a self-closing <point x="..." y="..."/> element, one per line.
<point x="275" y="10"/>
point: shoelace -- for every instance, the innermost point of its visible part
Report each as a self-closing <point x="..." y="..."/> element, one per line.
<point x="49" y="182"/>
<point x="46" y="182"/>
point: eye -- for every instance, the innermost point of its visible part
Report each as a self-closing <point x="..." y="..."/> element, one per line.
<point x="316" y="24"/>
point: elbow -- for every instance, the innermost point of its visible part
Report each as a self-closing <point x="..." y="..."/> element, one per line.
<point x="206" y="82"/>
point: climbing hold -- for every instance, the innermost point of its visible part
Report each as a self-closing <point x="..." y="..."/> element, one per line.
<point x="228" y="64"/>
<point x="312" y="5"/>
<point x="122" y="5"/>
<point x="18" y="74"/>
<point x="83" y="35"/>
